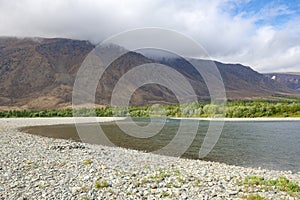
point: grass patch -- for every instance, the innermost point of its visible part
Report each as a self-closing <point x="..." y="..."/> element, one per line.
<point x="160" y="174"/>
<point x="87" y="162"/>
<point x="144" y="181"/>
<point x="197" y="183"/>
<point x="101" y="184"/>
<point x="255" y="197"/>
<point x="253" y="180"/>
<point x="282" y="183"/>
<point x="111" y="191"/>
<point x="180" y="180"/>
<point x="176" y="172"/>
<point x="165" y="194"/>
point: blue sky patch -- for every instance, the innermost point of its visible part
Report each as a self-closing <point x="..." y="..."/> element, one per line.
<point x="266" y="12"/>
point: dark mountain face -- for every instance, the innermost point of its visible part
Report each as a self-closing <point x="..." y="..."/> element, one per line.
<point x="37" y="73"/>
<point x="147" y="94"/>
<point x="240" y="82"/>
<point x="291" y="80"/>
<point x="243" y="82"/>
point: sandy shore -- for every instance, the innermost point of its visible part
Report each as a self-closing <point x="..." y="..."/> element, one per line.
<point x="33" y="167"/>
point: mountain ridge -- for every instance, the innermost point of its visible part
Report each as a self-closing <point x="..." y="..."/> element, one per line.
<point x="39" y="73"/>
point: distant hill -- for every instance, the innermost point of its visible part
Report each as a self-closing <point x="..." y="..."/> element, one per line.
<point x="39" y="73"/>
<point x="291" y="79"/>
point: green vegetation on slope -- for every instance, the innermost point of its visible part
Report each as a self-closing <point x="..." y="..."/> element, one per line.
<point x="281" y="184"/>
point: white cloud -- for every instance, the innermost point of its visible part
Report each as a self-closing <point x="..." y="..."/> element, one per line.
<point x="270" y="49"/>
<point x="227" y="37"/>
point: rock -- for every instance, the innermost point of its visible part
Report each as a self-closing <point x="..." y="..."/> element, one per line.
<point x="228" y="178"/>
<point x="75" y="189"/>
<point x="85" y="178"/>
<point x="232" y="192"/>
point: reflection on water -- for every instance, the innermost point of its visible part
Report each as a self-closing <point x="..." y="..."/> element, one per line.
<point x="272" y="145"/>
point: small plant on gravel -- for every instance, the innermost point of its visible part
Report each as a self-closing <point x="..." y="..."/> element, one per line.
<point x="285" y="185"/>
<point x="144" y="181"/>
<point x="160" y="174"/>
<point x="197" y="183"/>
<point x="168" y="185"/>
<point x="137" y="184"/>
<point x="111" y="191"/>
<point x="85" y="198"/>
<point x="177" y="172"/>
<point x="255" y="197"/>
<point x="253" y="180"/>
<point x="165" y="194"/>
<point x="181" y="180"/>
<point x="282" y="183"/>
<point x="101" y="184"/>
<point x="122" y="173"/>
<point x="87" y="162"/>
<point x="30" y="165"/>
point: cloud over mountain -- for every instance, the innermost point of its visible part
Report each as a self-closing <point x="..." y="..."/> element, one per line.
<point x="263" y="35"/>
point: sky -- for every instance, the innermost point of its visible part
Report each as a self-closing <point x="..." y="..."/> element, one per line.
<point x="263" y="34"/>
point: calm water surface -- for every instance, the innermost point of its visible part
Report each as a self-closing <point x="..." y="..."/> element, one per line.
<point x="271" y="145"/>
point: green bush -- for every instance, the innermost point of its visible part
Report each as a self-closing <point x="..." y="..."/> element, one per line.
<point x="233" y="109"/>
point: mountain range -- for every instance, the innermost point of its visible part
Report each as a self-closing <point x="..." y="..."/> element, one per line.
<point x="290" y="79"/>
<point x="39" y="73"/>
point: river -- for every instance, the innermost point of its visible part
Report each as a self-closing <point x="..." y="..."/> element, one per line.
<point x="270" y="145"/>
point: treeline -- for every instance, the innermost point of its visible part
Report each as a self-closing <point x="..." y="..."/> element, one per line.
<point x="36" y="113"/>
<point x="233" y="109"/>
<point x="263" y="109"/>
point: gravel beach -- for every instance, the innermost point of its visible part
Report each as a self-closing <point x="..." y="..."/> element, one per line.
<point x="34" y="167"/>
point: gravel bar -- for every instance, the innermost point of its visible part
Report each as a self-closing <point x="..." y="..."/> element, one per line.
<point x="34" y="167"/>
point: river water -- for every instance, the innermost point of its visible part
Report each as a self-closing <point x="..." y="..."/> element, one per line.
<point x="270" y="145"/>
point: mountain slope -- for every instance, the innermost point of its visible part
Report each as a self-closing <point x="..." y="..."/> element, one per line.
<point x="291" y="80"/>
<point x="38" y="73"/>
<point x="240" y="82"/>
